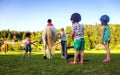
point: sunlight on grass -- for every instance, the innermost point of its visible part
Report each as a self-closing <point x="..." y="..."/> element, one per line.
<point x="69" y="51"/>
<point x="102" y="51"/>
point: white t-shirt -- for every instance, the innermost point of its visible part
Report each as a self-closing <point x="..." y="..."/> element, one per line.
<point x="63" y="36"/>
<point x="79" y="31"/>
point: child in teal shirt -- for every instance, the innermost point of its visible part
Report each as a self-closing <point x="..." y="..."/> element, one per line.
<point x="105" y="35"/>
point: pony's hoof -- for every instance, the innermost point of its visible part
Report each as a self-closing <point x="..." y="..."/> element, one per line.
<point x="50" y="58"/>
<point x="44" y="57"/>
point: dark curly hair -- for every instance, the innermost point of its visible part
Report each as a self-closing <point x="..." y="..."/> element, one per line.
<point x="75" y="17"/>
<point x="28" y="34"/>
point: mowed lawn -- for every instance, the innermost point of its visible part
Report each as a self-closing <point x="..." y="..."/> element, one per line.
<point x="13" y="64"/>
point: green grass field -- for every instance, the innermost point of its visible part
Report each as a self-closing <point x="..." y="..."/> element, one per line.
<point x="13" y="64"/>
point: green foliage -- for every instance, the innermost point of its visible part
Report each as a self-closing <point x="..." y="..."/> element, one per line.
<point x="9" y="36"/>
<point x="15" y="47"/>
<point x="68" y="29"/>
<point x="69" y="40"/>
<point x="24" y="36"/>
<point x="68" y="36"/>
<point x="87" y="43"/>
<point x="11" y="47"/>
<point x="117" y="46"/>
<point x="91" y="32"/>
<point x="18" y="47"/>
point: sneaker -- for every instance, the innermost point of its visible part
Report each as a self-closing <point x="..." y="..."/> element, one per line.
<point x="106" y="60"/>
<point x="72" y="62"/>
<point x="62" y="57"/>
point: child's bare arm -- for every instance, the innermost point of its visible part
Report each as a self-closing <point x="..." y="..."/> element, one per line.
<point x="73" y="33"/>
<point x="102" y="33"/>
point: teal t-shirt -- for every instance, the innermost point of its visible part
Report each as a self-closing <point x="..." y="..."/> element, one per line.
<point x="106" y="33"/>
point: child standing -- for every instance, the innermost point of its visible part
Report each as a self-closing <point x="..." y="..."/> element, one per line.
<point x="78" y="37"/>
<point x="105" y="35"/>
<point x="63" y="42"/>
<point x="27" y="46"/>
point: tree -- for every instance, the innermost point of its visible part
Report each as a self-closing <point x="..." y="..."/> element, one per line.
<point x="9" y="36"/>
<point x="68" y="29"/>
<point x="24" y="36"/>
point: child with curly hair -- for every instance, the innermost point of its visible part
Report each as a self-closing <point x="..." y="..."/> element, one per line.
<point x="78" y="37"/>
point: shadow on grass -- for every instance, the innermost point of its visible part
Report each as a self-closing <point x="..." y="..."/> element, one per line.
<point x="72" y="56"/>
<point x="88" y="56"/>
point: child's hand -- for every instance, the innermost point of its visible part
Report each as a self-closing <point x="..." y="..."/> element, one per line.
<point x="102" y="42"/>
<point x="32" y="42"/>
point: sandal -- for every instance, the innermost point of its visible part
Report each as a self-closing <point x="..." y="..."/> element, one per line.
<point x="106" y="60"/>
<point x="72" y="62"/>
<point x="81" y="63"/>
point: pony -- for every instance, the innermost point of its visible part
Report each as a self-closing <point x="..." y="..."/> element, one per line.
<point x="49" y="37"/>
<point x="4" y="47"/>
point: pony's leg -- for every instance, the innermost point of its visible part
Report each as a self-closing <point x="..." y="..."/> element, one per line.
<point x="45" y="52"/>
<point x="45" y="47"/>
<point x="5" y="49"/>
<point x="49" y="53"/>
<point x="45" y="55"/>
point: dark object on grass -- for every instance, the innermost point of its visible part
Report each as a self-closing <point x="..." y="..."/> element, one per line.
<point x="72" y="55"/>
<point x="44" y="57"/>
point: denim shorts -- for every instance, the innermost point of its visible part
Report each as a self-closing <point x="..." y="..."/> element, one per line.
<point x="28" y="48"/>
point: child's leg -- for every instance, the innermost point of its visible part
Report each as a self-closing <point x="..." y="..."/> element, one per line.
<point x="65" y="52"/>
<point x="62" y="50"/>
<point x="29" y="55"/>
<point x="107" y="51"/>
<point x="82" y="56"/>
<point x="24" y="54"/>
<point x="26" y="50"/>
<point x="107" y="59"/>
<point x="75" y="56"/>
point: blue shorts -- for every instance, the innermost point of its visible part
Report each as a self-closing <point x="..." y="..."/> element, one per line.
<point x="28" y="48"/>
